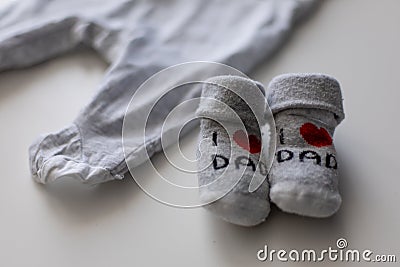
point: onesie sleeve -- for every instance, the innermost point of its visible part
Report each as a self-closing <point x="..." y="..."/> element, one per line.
<point x="32" y="31"/>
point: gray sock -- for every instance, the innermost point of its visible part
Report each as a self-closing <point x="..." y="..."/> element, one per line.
<point x="233" y="155"/>
<point x="304" y="176"/>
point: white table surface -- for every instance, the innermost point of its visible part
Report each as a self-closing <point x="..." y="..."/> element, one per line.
<point x="116" y="224"/>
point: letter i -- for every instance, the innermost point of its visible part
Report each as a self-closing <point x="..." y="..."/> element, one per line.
<point x="281" y="137"/>
<point x="214" y="138"/>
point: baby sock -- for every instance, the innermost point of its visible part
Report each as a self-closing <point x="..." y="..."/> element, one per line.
<point x="233" y="155"/>
<point x="304" y="176"/>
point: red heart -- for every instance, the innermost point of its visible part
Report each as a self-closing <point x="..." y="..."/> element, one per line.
<point x="315" y="136"/>
<point x="251" y="143"/>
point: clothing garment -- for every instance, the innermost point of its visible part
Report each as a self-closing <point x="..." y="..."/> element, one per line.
<point x="233" y="118"/>
<point x="138" y="38"/>
<point x="304" y="177"/>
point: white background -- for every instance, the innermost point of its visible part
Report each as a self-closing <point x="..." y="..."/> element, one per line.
<point x="116" y="224"/>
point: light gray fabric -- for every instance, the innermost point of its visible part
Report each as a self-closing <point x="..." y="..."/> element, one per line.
<point x="138" y="38"/>
<point x="304" y="90"/>
<point x="304" y="175"/>
<point x="232" y="110"/>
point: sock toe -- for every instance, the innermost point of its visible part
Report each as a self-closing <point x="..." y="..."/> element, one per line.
<point x="238" y="208"/>
<point x="298" y="199"/>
